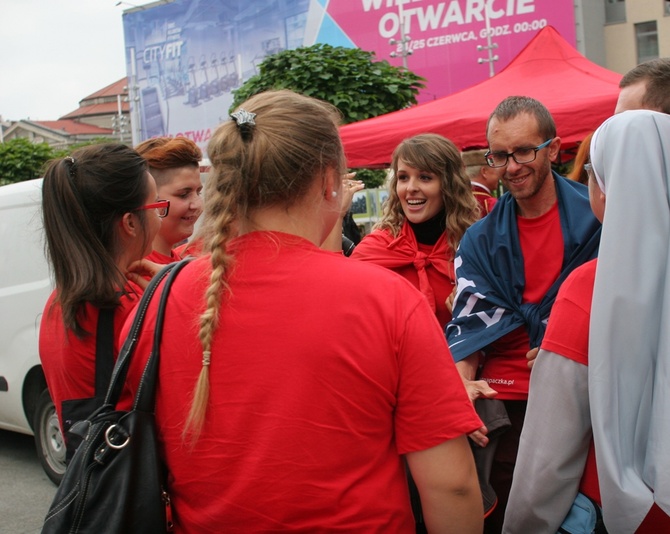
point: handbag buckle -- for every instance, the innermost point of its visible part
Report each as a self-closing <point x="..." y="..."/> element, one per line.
<point x="111" y="437"/>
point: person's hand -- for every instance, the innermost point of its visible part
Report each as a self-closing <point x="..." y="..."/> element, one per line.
<point x="479" y="436"/>
<point x="531" y="355"/>
<point x="139" y="270"/>
<point x="479" y="389"/>
<point x="449" y="303"/>
<point x="349" y="187"/>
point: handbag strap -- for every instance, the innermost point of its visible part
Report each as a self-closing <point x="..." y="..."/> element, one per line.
<point x="104" y="351"/>
<point x="121" y="368"/>
<point x="146" y="392"/>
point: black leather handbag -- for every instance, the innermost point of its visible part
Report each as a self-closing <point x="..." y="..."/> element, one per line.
<point x="116" y="482"/>
<point x="74" y="410"/>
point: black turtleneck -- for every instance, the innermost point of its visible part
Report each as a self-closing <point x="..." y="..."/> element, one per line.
<point x="428" y="232"/>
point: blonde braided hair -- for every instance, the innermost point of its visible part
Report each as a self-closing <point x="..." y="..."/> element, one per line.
<point x="215" y="243"/>
<point x="272" y="161"/>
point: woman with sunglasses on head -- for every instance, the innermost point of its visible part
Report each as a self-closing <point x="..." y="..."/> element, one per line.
<point x="430" y="206"/>
<point x="175" y="165"/>
<point x="279" y="406"/>
<point x="100" y="212"/>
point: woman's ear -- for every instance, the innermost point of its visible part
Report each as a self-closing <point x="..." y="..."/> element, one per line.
<point x="129" y="224"/>
<point x="332" y="183"/>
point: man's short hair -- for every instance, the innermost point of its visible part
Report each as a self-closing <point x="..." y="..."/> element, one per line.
<point x="514" y="106"/>
<point x="473" y="160"/>
<point x="656" y="74"/>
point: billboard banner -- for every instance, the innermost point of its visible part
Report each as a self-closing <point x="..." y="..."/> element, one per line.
<point x="185" y="57"/>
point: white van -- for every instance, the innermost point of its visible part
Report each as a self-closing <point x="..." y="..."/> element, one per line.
<point x="25" y="285"/>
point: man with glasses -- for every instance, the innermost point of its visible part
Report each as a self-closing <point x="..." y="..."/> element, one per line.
<point x="509" y="267"/>
<point x="565" y="451"/>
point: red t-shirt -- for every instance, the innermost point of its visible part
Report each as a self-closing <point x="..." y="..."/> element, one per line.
<point x="68" y="361"/>
<point x="190" y="248"/>
<point x="568" y="335"/>
<point x="505" y="366"/>
<point x="162" y="259"/>
<point x="323" y="372"/>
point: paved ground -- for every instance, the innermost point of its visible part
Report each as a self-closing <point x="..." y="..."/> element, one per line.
<point x="25" y="491"/>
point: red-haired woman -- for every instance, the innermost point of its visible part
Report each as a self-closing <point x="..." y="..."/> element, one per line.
<point x="175" y="165"/>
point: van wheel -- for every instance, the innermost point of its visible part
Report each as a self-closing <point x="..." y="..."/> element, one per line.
<point x="49" y="439"/>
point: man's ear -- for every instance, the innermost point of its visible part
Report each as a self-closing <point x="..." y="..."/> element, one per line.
<point x="554" y="149"/>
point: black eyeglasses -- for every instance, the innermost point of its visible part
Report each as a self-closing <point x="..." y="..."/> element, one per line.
<point x="162" y="207"/>
<point x="520" y="155"/>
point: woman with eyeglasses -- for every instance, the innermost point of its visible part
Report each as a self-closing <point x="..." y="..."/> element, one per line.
<point x="101" y="213"/>
<point x="175" y="165"/>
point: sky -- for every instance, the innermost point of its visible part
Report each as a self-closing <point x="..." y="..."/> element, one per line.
<point x="54" y="53"/>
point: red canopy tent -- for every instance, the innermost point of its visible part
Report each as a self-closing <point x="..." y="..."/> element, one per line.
<point x="579" y="94"/>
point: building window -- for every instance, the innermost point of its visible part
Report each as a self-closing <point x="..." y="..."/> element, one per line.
<point x="646" y="38"/>
<point x="615" y="11"/>
<point x="666" y="3"/>
<point x="295" y="30"/>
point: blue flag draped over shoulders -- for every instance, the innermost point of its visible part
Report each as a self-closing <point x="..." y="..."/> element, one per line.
<point x="490" y="271"/>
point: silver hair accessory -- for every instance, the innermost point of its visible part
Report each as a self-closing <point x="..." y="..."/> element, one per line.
<point x="70" y="160"/>
<point x="245" y="122"/>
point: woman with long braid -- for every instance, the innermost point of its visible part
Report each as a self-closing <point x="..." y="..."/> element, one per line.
<point x="280" y="405"/>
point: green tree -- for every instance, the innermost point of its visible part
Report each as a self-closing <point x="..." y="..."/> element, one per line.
<point x="22" y="160"/>
<point x="348" y="78"/>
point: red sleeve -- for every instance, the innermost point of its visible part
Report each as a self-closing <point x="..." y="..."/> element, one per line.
<point x="568" y="328"/>
<point x="433" y="405"/>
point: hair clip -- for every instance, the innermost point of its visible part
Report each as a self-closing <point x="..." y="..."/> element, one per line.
<point x="70" y="160"/>
<point x="244" y="117"/>
<point x="245" y="122"/>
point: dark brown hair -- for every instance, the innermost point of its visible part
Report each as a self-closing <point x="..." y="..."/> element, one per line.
<point x="656" y="74"/>
<point x="83" y="198"/>
<point x="513" y="106"/>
